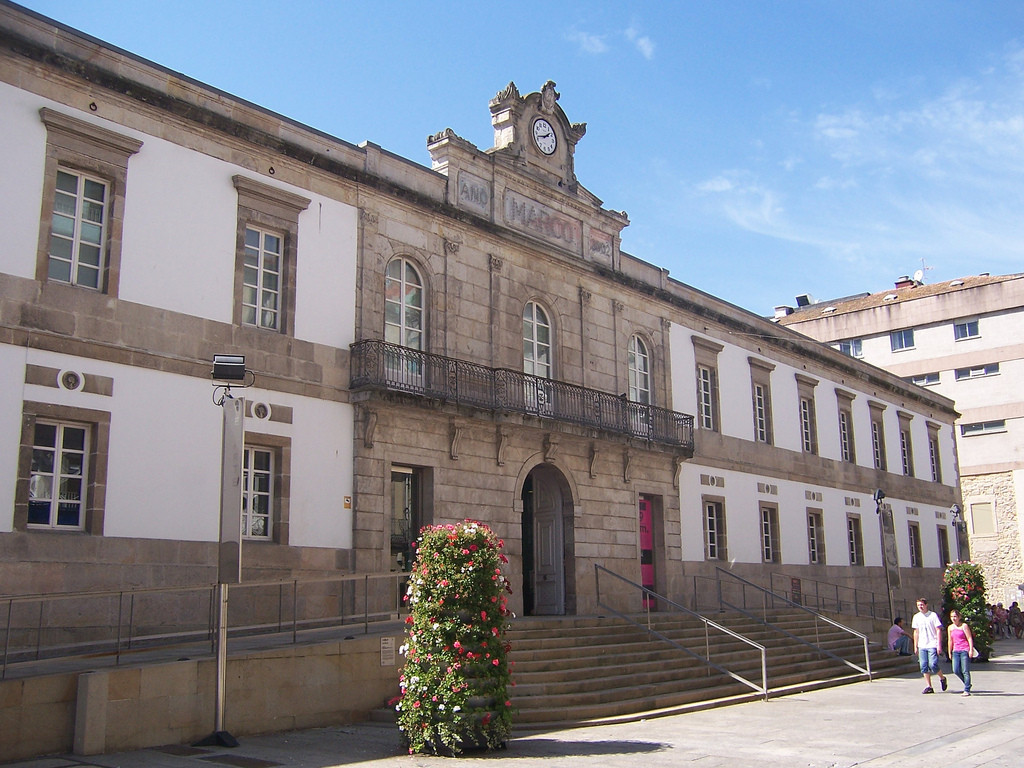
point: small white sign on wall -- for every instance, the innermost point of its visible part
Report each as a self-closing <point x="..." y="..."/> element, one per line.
<point x="387" y="651"/>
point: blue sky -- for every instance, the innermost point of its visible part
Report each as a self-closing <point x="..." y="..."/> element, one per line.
<point x="761" y="149"/>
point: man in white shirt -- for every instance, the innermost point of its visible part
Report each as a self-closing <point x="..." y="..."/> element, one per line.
<point x="927" y="641"/>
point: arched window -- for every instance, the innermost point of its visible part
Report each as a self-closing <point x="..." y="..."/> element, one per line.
<point x="639" y="371"/>
<point x="403" y="304"/>
<point x="536" y="341"/>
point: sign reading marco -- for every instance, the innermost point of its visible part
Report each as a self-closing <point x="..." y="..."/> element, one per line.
<point x="530" y="216"/>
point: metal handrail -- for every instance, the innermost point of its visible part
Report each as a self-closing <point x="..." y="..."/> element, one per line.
<point x="866" y="669"/>
<point x="390" y="367"/>
<point x="708" y="624"/>
<point x="842" y="597"/>
<point x="114" y="640"/>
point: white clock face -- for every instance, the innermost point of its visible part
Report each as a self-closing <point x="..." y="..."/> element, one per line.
<point x="544" y="136"/>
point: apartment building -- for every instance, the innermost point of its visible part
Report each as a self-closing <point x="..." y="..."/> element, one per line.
<point x="960" y="338"/>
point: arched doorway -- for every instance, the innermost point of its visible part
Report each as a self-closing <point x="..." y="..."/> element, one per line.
<point x="548" y="543"/>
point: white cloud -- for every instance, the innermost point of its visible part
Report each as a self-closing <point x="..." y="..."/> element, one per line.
<point x="643" y="43"/>
<point x="587" y="42"/>
<point x="717" y="184"/>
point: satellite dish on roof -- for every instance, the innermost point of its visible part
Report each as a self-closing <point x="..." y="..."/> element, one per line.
<point x="919" y="276"/>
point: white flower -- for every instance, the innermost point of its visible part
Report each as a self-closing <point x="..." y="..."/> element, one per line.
<point x="456" y="708"/>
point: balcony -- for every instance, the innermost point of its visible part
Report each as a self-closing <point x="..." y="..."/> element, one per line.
<point x="378" y="365"/>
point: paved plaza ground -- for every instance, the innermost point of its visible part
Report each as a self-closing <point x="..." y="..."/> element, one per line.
<point x="885" y="722"/>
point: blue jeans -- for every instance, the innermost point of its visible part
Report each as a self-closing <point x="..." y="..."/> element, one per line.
<point x="902" y="645"/>
<point x="962" y="667"/>
<point x="928" y="658"/>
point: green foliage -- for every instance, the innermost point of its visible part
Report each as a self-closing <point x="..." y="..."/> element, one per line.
<point x="963" y="588"/>
<point x="456" y="676"/>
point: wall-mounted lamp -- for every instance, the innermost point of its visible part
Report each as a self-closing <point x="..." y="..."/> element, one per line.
<point x="956" y="517"/>
<point x="878" y="495"/>
<point x="229" y="371"/>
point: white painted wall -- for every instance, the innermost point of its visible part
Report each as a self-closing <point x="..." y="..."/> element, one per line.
<point x="22" y="152"/>
<point x="12" y="382"/>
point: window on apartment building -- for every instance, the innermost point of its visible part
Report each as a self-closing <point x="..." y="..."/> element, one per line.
<point x="536" y="341"/>
<point x="934" y="458"/>
<point x="808" y="420"/>
<point x="760" y="383"/>
<point x="403" y="304"/>
<point x="639" y="371"/>
<point x="266" y="470"/>
<point x="85" y="176"/>
<point x="855" y="539"/>
<point x="906" y="446"/>
<point x="851" y="347"/>
<point x="983" y="518"/>
<point x="847" y="444"/>
<point x="266" y="253"/>
<point x="943" y="540"/>
<point x="914" y="534"/>
<point x="925" y="379"/>
<point x="706" y="356"/>
<point x="983" y="427"/>
<point x="815" y="537"/>
<point x="714" y="530"/>
<point x="770" y="534"/>
<point x="62" y="467"/>
<point x="902" y="339"/>
<point x="965" y="329"/>
<point x="878" y="437"/>
<point x="976" y="371"/>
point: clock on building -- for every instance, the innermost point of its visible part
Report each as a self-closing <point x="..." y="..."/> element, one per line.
<point x="544" y="136"/>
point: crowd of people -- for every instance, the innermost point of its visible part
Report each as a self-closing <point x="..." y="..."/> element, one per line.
<point x="1005" y="622"/>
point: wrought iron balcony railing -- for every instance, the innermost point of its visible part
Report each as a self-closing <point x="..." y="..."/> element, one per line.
<point x="382" y="366"/>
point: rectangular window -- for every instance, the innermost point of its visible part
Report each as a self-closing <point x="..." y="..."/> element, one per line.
<point x="714" y="530"/>
<point x="902" y="339"/>
<point x="808" y="430"/>
<point x="976" y="371"/>
<point x="770" y="534"/>
<point x="851" y="347"/>
<point x="925" y="379"/>
<point x="933" y="457"/>
<point x="58" y="480"/>
<point x="907" y="452"/>
<point x="410" y="497"/>
<point x="85" y="176"/>
<point x="983" y="518"/>
<point x="257" y="493"/>
<point x="761" y="413"/>
<point x="846" y="436"/>
<point x="261" y="282"/>
<point x="855" y="539"/>
<point x="878" y="444"/>
<point x="707" y="397"/>
<point x="967" y="329"/>
<point x="914" y="532"/>
<point x="815" y="538"/>
<point x="983" y="427"/>
<point x="943" y="538"/>
<point x="78" y="230"/>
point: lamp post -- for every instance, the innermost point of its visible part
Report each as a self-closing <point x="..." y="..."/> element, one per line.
<point x="959" y="525"/>
<point x="228" y="371"/>
<point x="890" y="555"/>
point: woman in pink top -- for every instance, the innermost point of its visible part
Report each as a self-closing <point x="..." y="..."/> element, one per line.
<point x="961" y="648"/>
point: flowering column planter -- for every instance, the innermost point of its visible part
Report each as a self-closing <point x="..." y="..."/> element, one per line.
<point x="456" y="676"/>
<point x="963" y="588"/>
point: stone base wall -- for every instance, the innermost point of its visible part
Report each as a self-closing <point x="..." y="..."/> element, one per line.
<point x="1001" y="555"/>
<point x="128" y="708"/>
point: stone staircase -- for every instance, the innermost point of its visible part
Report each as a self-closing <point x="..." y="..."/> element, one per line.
<point x="573" y="670"/>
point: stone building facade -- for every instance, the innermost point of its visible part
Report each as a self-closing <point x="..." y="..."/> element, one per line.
<point x="428" y="344"/>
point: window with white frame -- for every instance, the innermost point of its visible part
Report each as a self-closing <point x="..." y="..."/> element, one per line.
<point x="983" y="427"/>
<point x="965" y="329"/>
<point x="808" y="419"/>
<point x="847" y="444"/>
<point x="261" y="281"/>
<point x="403" y="304"/>
<point x="855" y="539"/>
<point x="851" y="347"/>
<point x="878" y="436"/>
<point x="815" y="537"/>
<point x="714" y="530"/>
<point x="760" y="387"/>
<point x="706" y="357"/>
<point x="85" y="176"/>
<point x="536" y="341"/>
<point x="57" y="484"/>
<point x="906" y="451"/>
<point x="925" y="379"/>
<point x="914" y="534"/>
<point x="639" y="371"/>
<point x="267" y="248"/>
<point x="902" y="339"/>
<point x="257" y="493"/>
<point x="934" y="458"/>
<point x="769" y="534"/>
<point x="976" y="371"/>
